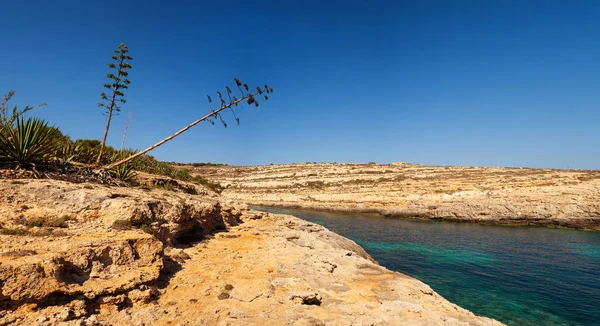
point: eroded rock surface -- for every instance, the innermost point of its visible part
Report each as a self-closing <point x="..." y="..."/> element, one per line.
<point x="549" y="197"/>
<point x="135" y="257"/>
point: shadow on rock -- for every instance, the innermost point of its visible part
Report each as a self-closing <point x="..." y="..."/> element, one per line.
<point x="171" y="267"/>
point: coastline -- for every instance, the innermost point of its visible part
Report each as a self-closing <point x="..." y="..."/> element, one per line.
<point x="591" y="224"/>
<point x="507" y="196"/>
<point x="132" y="256"/>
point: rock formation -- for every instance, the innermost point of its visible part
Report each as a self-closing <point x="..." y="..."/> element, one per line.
<point x="81" y="254"/>
<point x="548" y="197"/>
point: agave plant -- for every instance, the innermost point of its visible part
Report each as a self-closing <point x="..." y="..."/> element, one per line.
<point x="67" y="152"/>
<point x="124" y="173"/>
<point x="88" y="150"/>
<point x="3" y="156"/>
<point x="30" y="141"/>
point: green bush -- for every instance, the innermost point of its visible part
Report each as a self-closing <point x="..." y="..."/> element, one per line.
<point x="86" y="151"/>
<point x="32" y="141"/>
<point x="183" y="174"/>
<point x="66" y="152"/>
<point x="208" y="184"/>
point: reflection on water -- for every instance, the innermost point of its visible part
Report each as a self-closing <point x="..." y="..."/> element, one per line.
<point x="518" y="275"/>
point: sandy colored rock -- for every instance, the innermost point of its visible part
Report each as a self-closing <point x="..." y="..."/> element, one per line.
<point x="290" y="272"/>
<point x="550" y="197"/>
<point x="135" y="257"/>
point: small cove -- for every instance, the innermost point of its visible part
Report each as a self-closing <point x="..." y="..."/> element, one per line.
<point x="517" y="275"/>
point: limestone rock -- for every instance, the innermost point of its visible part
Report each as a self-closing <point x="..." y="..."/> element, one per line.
<point x="521" y="196"/>
<point x="132" y="257"/>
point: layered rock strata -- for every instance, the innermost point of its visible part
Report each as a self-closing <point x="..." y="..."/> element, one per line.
<point x="518" y="196"/>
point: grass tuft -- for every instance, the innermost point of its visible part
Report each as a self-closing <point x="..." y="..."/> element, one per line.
<point x="8" y="231"/>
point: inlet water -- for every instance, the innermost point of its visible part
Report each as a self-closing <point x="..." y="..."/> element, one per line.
<point x="517" y="275"/>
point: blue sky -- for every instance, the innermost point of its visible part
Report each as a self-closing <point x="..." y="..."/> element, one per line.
<point x="500" y="83"/>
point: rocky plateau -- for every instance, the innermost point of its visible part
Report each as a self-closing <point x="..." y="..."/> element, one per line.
<point x="516" y="196"/>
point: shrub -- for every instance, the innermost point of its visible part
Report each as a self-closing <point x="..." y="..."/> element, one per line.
<point x="163" y="168"/>
<point x="87" y="150"/>
<point x="60" y="222"/>
<point x="183" y="174"/>
<point x="208" y="184"/>
<point x="29" y="142"/>
<point x="19" y="253"/>
<point x="6" y="231"/>
<point x="44" y="232"/>
<point x="35" y="222"/>
<point x="200" y="164"/>
<point x="66" y="152"/>
<point x="124" y="173"/>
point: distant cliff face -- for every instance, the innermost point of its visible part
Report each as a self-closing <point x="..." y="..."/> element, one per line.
<point x="81" y="254"/>
<point x="475" y="194"/>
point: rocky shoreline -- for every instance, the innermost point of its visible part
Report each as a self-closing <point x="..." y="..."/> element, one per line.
<point x="511" y="196"/>
<point x="591" y="223"/>
<point x="86" y="254"/>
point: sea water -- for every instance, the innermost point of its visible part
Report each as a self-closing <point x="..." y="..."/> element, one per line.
<point x="517" y="275"/>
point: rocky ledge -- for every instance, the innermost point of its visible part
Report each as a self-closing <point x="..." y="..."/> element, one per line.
<point x="81" y="254"/>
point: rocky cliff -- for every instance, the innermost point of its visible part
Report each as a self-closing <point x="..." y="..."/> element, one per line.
<point x="81" y="254"/>
<point x="522" y="196"/>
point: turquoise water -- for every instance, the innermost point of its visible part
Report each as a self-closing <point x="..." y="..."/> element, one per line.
<point x="517" y="275"/>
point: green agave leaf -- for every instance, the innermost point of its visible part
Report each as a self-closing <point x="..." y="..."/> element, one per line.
<point x="30" y="141"/>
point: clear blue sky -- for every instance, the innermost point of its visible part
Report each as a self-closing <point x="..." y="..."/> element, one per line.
<point x="500" y="83"/>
